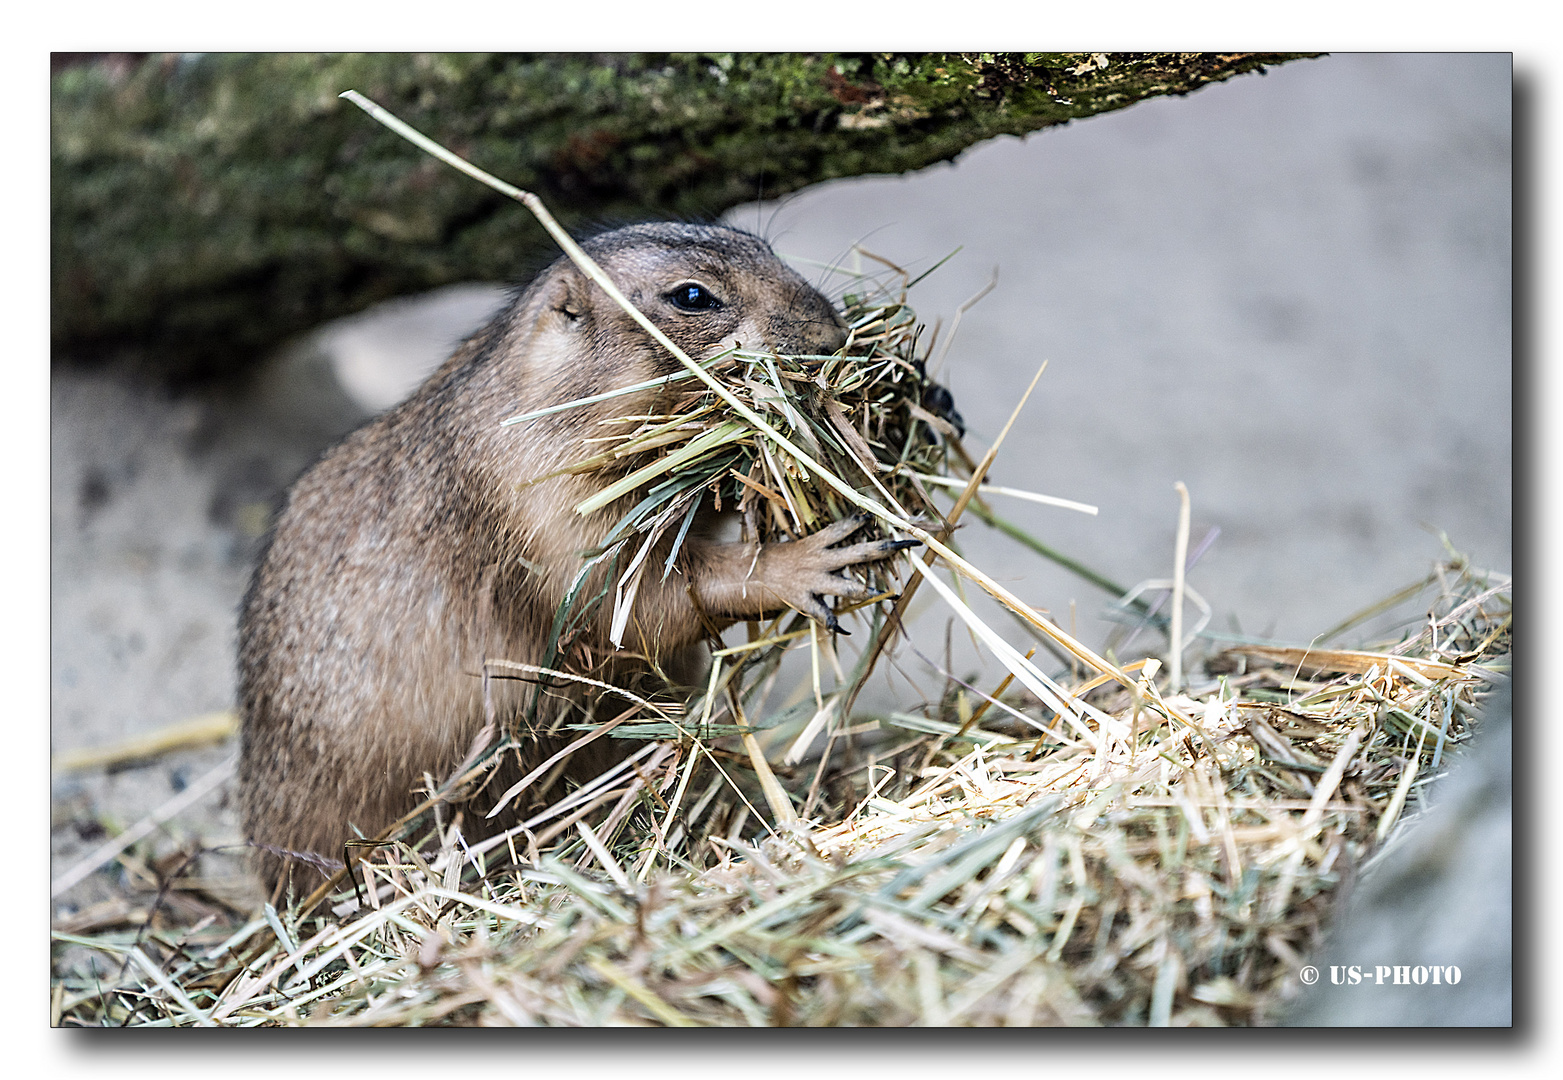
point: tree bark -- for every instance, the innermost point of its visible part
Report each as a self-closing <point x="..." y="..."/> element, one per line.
<point x="206" y="208"/>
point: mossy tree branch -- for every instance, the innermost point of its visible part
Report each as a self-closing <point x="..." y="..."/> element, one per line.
<point x="207" y="208"/>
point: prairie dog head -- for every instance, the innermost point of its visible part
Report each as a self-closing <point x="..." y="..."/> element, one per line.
<point x="707" y="287"/>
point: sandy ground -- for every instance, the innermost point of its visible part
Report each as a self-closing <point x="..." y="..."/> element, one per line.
<point x="1291" y="293"/>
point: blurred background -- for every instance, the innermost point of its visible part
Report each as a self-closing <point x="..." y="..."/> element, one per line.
<point x="1292" y="293"/>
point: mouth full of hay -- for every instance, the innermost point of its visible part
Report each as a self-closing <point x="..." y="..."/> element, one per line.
<point x="1117" y="846"/>
<point x="868" y="416"/>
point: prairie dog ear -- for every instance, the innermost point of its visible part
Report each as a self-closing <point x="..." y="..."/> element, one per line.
<point x="565" y="299"/>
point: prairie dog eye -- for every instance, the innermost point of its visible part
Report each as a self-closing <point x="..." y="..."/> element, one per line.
<point x="690" y="296"/>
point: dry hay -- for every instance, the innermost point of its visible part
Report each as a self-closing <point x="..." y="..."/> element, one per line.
<point x="1115" y="851"/>
<point x="1177" y="875"/>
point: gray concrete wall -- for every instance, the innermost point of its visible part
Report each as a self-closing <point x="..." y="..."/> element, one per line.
<point x="1290" y="292"/>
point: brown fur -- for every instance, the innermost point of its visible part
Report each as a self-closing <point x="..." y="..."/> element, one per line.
<point x="412" y="552"/>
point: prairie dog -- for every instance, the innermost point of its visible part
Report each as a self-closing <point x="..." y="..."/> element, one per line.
<point x="415" y="549"/>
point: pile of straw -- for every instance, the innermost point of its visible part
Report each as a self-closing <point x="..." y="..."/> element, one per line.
<point x="1177" y="872"/>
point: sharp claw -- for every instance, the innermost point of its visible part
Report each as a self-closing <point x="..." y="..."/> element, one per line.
<point x="833" y="626"/>
<point x="901" y="545"/>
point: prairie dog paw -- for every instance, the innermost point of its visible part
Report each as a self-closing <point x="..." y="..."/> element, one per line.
<point x="803" y="573"/>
